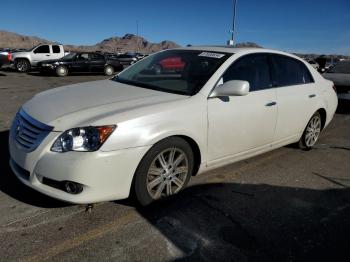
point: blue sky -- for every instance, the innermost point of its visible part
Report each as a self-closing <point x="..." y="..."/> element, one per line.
<point x="321" y="26"/>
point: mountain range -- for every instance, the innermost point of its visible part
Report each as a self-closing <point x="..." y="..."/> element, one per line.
<point x="128" y="42"/>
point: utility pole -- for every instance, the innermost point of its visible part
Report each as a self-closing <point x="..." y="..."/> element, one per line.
<point x="137" y="34"/>
<point x="137" y="28"/>
<point x="231" y="42"/>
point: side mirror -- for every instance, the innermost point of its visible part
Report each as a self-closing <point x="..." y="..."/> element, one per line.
<point x="231" y="88"/>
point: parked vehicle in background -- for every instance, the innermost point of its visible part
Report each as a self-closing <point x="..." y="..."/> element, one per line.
<point x="340" y="75"/>
<point x="5" y="58"/>
<point x="314" y="64"/>
<point x="172" y="64"/>
<point x="146" y="132"/>
<point x="81" y="62"/>
<point x="24" y="61"/>
<point x="139" y="56"/>
<point x="126" y="59"/>
<point x="325" y="63"/>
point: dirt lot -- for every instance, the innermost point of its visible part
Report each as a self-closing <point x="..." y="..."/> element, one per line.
<point x="286" y="205"/>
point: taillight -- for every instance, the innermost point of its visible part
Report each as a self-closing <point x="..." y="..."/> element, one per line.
<point x="9" y="57"/>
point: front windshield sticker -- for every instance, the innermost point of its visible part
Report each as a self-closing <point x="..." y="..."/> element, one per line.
<point x="212" y="55"/>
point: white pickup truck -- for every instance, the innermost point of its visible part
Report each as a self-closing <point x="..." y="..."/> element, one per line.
<point x="24" y="61"/>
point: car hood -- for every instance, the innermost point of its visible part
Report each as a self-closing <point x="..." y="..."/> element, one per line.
<point x="338" y="79"/>
<point x="19" y="53"/>
<point x="76" y="104"/>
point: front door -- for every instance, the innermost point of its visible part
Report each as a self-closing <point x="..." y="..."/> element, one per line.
<point x="41" y="53"/>
<point x="238" y="124"/>
<point x="82" y="63"/>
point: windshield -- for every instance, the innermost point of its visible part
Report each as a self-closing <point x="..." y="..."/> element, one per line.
<point x="69" y="56"/>
<point x="31" y="49"/>
<point x="176" y="71"/>
<point x="342" y="67"/>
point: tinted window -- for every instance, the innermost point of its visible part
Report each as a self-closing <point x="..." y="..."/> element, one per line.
<point x="82" y="57"/>
<point x="44" y="49"/>
<point x="288" y="71"/>
<point x="125" y="56"/>
<point x="56" y="49"/>
<point x="97" y="57"/>
<point x="252" y="68"/>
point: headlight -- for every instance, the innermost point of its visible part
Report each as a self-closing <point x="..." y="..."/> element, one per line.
<point x="83" y="139"/>
<point x="47" y="65"/>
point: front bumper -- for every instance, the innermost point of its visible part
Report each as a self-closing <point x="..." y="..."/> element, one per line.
<point x="104" y="176"/>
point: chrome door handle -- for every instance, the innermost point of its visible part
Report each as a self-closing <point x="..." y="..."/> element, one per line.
<point x="271" y="104"/>
<point x="311" y="96"/>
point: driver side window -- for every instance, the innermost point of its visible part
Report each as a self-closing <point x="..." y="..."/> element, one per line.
<point x="252" y="68"/>
<point x="44" y="49"/>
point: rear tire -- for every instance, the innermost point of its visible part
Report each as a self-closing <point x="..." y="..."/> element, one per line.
<point x="61" y="71"/>
<point x="165" y="170"/>
<point x="22" y="65"/>
<point x="311" y="133"/>
<point x="109" y="70"/>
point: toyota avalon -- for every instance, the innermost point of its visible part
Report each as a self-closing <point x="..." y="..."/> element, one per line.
<point x="147" y="130"/>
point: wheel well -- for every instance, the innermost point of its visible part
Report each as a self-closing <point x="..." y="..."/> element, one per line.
<point x="22" y="58"/>
<point x="196" y="152"/>
<point x="323" y="114"/>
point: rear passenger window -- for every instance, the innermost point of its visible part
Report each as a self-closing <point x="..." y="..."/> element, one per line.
<point x="56" y="49"/>
<point x="288" y="71"/>
<point x="252" y="68"/>
<point x="44" y="49"/>
<point x="97" y="57"/>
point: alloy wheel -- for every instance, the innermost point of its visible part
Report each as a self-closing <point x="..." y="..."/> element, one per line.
<point x="109" y="71"/>
<point x="313" y="130"/>
<point x="61" y="71"/>
<point x="168" y="173"/>
<point x="22" y="66"/>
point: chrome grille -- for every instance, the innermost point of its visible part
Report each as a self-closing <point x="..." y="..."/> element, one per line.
<point x="28" y="132"/>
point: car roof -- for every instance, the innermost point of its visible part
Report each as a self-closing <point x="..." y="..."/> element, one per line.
<point x="235" y="50"/>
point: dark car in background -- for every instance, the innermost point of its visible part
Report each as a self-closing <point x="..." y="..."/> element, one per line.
<point x="126" y="59"/>
<point x="81" y="62"/>
<point x="340" y="75"/>
<point x="5" y="57"/>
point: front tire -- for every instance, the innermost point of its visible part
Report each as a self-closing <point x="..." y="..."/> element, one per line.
<point x="22" y="65"/>
<point x="311" y="133"/>
<point x="61" y="71"/>
<point x="165" y="170"/>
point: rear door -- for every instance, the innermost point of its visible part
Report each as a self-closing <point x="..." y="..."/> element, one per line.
<point x="57" y="52"/>
<point x="296" y="95"/>
<point x="238" y="124"/>
<point x="41" y="53"/>
<point x="97" y="62"/>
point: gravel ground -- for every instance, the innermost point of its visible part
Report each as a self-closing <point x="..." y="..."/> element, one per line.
<point x="285" y="205"/>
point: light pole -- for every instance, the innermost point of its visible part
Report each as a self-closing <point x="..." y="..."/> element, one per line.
<point x="231" y="42"/>
<point x="137" y="34"/>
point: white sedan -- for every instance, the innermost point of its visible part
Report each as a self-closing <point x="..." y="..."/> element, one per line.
<point x="170" y="116"/>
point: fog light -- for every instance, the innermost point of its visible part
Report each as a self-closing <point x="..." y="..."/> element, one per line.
<point x="73" y="188"/>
